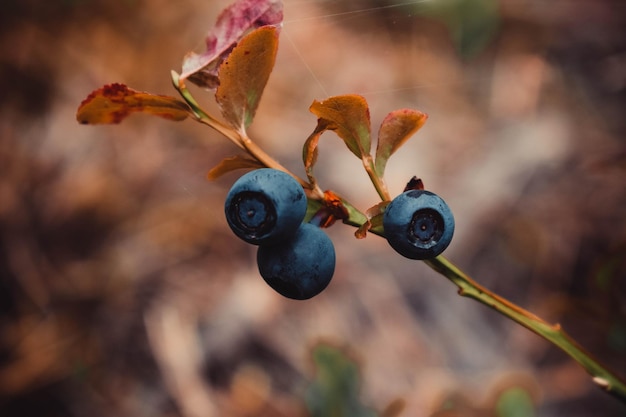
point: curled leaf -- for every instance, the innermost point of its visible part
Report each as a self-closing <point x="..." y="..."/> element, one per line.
<point x="114" y="102"/>
<point x="395" y="130"/>
<point x="232" y="24"/>
<point x="231" y="164"/>
<point x="310" y="152"/>
<point x="348" y="116"/>
<point x="324" y="213"/>
<point x="335" y="205"/>
<point x="374" y="219"/>
<point x="244" y="74"/>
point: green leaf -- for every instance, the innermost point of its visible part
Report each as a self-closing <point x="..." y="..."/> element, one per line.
<point x="313" y="206"/>
<point x="336" y="388"/>
<point x="244" y="74"/>
<point x="515" y="402"/>
<point x="231" y="164"/>
<point x="348" y="116"/>
<point x="395" y="130"/>
<point x="114" y="102"/>
<point x="473" y="24"/>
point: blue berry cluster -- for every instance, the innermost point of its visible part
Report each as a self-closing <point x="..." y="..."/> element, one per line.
<point x="266" y="208"/>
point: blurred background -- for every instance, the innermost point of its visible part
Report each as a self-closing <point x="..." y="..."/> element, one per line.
<point x="123" y="292"/>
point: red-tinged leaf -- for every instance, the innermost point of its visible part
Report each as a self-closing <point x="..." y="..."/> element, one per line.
<point x="324" y="213"/>
<point x="395" y="130"/>
<point x="231" y="164"/>
<point x="232" y="24"/>
<point x="335" y="204"/>
<point x="348" y="116"/>
<point x="243" y="76"/>
<point x="114" y="102"/>
<point x="414" y="184"/>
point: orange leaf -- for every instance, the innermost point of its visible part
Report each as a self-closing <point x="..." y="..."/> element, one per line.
<point x="232" y="164"/>
<point x="244" y="74"/>
<point x="349" y="117"/>
<point x="114" y="102"/>
<point x="394" y="131"/>
<point x="309" y="151"/>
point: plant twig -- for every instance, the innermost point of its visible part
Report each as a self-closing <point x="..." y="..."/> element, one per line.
<point x="239" y="138"/>
<point x="601" y="376"/>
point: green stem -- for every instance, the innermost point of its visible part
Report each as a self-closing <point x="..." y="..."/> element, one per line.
<point x="602" y="377"/>
<point x="378" y="182"/>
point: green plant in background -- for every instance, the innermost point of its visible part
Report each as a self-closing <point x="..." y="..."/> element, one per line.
<point x="335" y="389"/>
<point x="238" y="60"/>
<point x="472" y="23"/>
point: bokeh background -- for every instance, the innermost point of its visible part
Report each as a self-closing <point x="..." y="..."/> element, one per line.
<point x="123" y="293"/>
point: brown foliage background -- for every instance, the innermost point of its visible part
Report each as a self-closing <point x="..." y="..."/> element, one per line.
<point x="122" y="291"/>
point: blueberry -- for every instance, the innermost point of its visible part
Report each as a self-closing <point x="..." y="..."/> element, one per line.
<point x="299" y="267"/>
<point x="265" y="205"/>
<point x="418" y="224"/>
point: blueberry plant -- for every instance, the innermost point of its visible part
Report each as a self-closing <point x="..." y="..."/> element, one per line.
<point x="284" y="214"/>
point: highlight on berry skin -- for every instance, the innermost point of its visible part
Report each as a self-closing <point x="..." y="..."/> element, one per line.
<point x="418" y="224"/>
<point x="265" y="205"/>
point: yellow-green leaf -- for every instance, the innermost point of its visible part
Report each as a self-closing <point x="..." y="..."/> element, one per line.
<point x="114" y="102"/>
<point x="244" y="74"/>
<point x="395" y="130"/>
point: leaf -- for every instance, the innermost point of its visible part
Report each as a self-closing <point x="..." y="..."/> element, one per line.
<point x="395" y="130"/>
<point x="231" y="164"/>
<point x="473" y="24"/>
<point x="114" y="102"/>
<point x="348" y="116"/>
<point x="515" y="402"/>
<point x="310" y="152"/>
<point x="324" y="213"/>
<point x="313" y="206"/>
<point x="336" y="389"/>
<point x="375" y="216"/>
<point x="243" y="76"/>
<point x="232" y="24"/>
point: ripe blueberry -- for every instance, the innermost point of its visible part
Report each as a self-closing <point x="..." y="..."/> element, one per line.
<point x="299" y="267"/>
<point x="418" y="224"/>
<point x="265" y="205"/>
